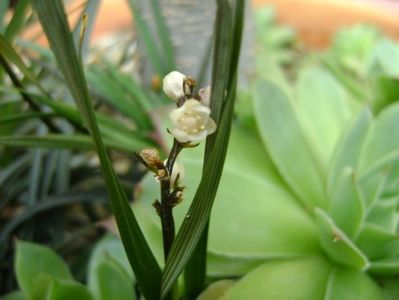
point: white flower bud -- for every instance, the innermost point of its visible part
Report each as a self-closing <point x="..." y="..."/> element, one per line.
<point x="192" y="122"/>
<point x="173" y="85"/>
<point x="205" y="95"/>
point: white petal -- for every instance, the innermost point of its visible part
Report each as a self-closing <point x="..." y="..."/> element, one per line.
<point x="205" y="95"/>
<point x="180" y="135"/>
<point x="211" y="126"/>
<point x="200" y="136"/>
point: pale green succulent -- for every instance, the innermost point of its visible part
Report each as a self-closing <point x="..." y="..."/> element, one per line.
<point x="307" y="206"/>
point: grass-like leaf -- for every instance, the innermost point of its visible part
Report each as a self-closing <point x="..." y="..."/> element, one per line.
<point x="24" y="116"/>
<point x="56" y="141"/>
<point x="146" y="36"/>
<point x="163" y="33"/>
<point x="52" y="17"/>
<point x="3" y="10"/>
<point x="222" y="108"/>
<point x="18" y="20"/>
<point x="228" y="32"/>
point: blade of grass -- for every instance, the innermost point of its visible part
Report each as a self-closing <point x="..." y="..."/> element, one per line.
<point x="3" y="10"/>
<point x="195" y="271"/>
<point x="18" y="20"/>
<point x="146" y="36"/>
<point x="114" y="93"/>
<point x="11" y="56"/>
<point x="24" y="116"/>
<point x="91" y="9"/>
<point x="19" y="85"/>
<point x="55" y="141"/>
<point x="197" y="217"/>
<point x="163" y="34"/>
<point x="147" y="271"/>
<point x="110" y="127"/>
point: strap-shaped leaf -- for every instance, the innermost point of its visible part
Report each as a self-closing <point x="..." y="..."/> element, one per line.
<point x="227" y="49"/>
<point x="55" y="141"/>
<point x="52" y="17"/>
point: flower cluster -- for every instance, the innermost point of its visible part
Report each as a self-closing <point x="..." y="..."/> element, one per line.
<point x="191" y="119"/>
<point x="192" y="123"/>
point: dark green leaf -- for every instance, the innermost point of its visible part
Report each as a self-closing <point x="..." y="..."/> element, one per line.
<point x="54" y="141"/>
<point x="163" y="34"/>
<point x="18" y="20"/>
<point x="146" y="36"/>
<point x="52" y="17"/>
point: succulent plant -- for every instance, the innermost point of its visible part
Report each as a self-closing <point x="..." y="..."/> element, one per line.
<point x="307" y="206"/>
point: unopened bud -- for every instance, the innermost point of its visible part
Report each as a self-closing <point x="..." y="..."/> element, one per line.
<point x="151" y="159"/>
<point x="173" y="85"/>
<point x="188" y="86"/>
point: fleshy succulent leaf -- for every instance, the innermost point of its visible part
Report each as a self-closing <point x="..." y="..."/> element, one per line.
<point x="337" y="245"/>
<point x="283" y="137"/>
<point x="348" y="284"/>
<point x="297" y="279"/>
<point x="323" y="110"/>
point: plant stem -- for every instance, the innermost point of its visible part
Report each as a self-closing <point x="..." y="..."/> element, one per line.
<point x="167" y="201"/>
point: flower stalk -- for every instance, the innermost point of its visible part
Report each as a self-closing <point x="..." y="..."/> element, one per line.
<point x="192" y="124"/>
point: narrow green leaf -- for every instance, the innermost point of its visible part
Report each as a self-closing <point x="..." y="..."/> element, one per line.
<point x="139" y="94"/>
<point x="55" y="141"/>
<point x="282" y="135"/>
<point x="227" y="46"/>
<point x="197" y="217"/>
<point x="52" y="17"/>
<point x="91" y="9"/>
<point x="24" y="116"/>
<point x="112" y="129"/>
<point x="3" y="10"/>
<point x="8" y="52"/>
<point x="337" y="245"/>
<point x="112" y="92"/>
<point x="18" y="20"/>
<point x="146" y="36"/>
<point x="163" y="34"/>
